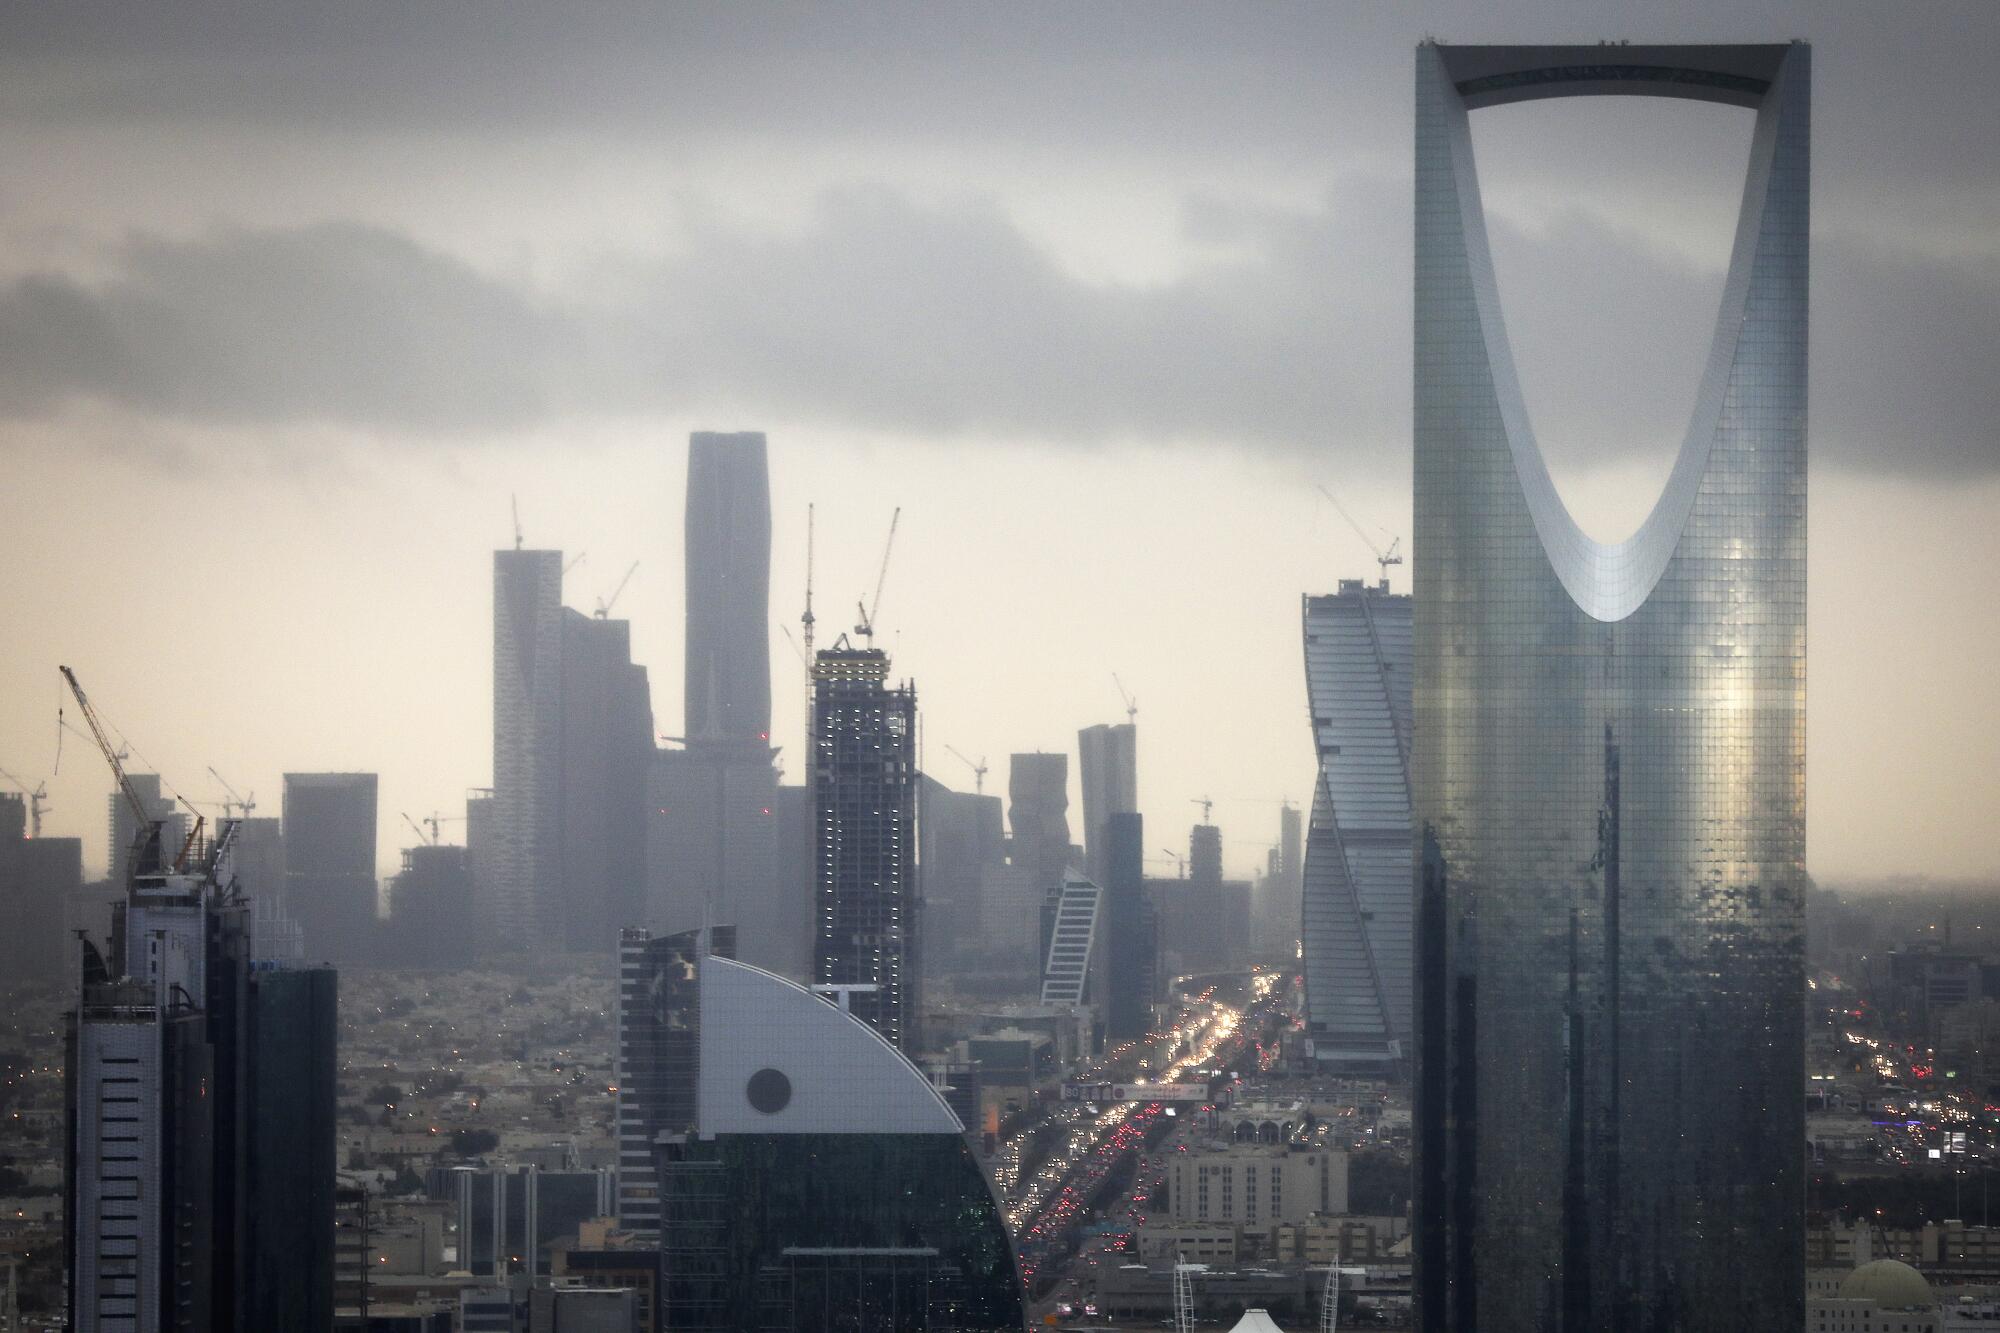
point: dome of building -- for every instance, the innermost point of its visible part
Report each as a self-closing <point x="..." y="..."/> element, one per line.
<point x="1889" y="1283"/>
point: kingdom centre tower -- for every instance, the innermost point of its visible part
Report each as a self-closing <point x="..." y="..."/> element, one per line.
<point x="1609" y="774"/>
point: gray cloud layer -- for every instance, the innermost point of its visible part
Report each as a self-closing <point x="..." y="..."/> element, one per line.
<point x="884" y="315"/>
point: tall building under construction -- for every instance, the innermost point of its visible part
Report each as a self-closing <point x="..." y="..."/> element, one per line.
<point x="864" y="781"/>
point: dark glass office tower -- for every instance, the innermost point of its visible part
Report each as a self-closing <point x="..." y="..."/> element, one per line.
<point x="659" y="1028"/>
<point x="864" y="780"/>
<point x="828" y="1185"/>
<point x="199" y="1098"/>
<point x="329" y="835"/>
<point x="1131" y="948"/>
<point x="1609" y="774"/>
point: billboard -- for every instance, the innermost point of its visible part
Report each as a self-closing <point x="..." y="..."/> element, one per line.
<point x="1135" y="1092"/>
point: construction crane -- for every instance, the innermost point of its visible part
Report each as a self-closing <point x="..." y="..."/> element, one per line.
<point x="236" y="802"/>
<point x="979" y="771"/>
<point x="111" y="756"/>
<point x="125" y="787"/>
<point x="38" y="801"/>
<point x="429" y="839"/>
<point x="1207" y="805"/>
<point x="604" y="604"/>
<point x="1383" y="559"/>
<point x="866" y="629"/>
<point x="430" y="822"/>
<point x="1180" y="862"/>
<point x="574" y="561"/>
<point x="1131" y="704"/>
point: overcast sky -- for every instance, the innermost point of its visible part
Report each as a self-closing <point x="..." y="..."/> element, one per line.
<point x="293" y="298"/>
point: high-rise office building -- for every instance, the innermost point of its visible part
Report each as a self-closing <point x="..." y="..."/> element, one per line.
<point x="728" y="542"/>
<point x="430" y="909"/>
<point x="522" y="891"/>
<point x="1108" y="763"/>
<point x="200" y="1090"/>
<point x="961" y="837"/>
<point x="329" y="837"/>
<point x="606" y="752"/>
<point x="1131" y="948"/>
<point x="864" y="780"/>
<point x="1609" y="773"/>
<point x="40" y="880"/>
<point x="1066" y="968"/>
<point x="1356" y="911"/>
<point x="712" y="840"/>
<point x="825" y="1174"/>
<point x="1038" y="816"/>
<point x="659" y="1024"/>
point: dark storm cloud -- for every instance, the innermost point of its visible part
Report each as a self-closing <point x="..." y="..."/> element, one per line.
<point x="1292" y="337"/>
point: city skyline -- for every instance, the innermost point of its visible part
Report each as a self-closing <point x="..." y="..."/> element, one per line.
<point x="380" y="517"/>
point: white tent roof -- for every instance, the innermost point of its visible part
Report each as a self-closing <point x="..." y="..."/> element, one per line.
<point x="1255" y="1321"/>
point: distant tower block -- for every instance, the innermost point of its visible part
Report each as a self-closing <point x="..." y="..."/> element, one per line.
<point x="728" y="538"/>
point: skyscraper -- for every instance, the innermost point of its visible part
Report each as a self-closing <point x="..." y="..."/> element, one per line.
<point x="1356" y="903"/>
<point x="200" y="1089"/>
<point x="1108" y="762"/>
<point x="522" y="891"/>
<point x="1609" y="774"/>
<point x="40" y="879"/>
<point x="1131" y="948"/>
<point x="607" y="749"/>
<point x="864" y="779"/>
<point x="712" y="847"/>
<point x="659" y="1028"/>
<point x="728" y="536"/>
<point x="1038" y="815"/>
<point x="329" y="837"/>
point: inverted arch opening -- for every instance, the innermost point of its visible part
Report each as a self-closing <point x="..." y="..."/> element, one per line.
<point x="1611" y="223"/>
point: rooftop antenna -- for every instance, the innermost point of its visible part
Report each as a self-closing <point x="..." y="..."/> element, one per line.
<point x="515" y="502"/>
<point x="604" y="604"/>
<point x="1131" y="704"/>
<point x="866" y="629"/>
<point x="1383" y="559"/>
<point x="979" y="771"/>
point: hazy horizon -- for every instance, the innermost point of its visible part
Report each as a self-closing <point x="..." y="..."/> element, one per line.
<point x="291" y="305"/>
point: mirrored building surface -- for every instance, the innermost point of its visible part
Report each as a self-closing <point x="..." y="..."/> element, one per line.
<point x="1355" y="903"/>
<point x="1609" y="773"/>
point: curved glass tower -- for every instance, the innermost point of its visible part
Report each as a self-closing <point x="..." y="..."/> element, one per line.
<point x="1609" y="774"/>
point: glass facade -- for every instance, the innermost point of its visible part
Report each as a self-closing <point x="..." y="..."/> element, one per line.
<point x="1355" y="904"/>
<point x="1608" y="773"/>
<point x="892" y="1233"/>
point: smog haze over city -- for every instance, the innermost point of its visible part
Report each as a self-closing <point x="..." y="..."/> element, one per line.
<point x="946" y="668"/>
<point x="294" y="301"/>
